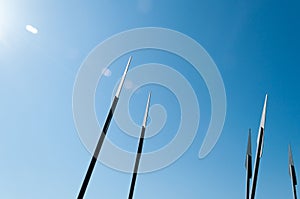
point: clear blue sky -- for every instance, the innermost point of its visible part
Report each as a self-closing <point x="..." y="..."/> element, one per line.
<point x="254" y="44"/>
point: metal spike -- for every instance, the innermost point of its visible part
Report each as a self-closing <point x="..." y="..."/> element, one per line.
<point x="139" y="151"/>
<point x="123" y="78"/>
<point x="292" y="172"/>
<point x="102" y="137"/>
<point x="259" y="149"/>
<point x="248" y="165"/>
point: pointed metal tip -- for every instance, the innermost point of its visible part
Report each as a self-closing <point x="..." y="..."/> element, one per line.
<point x="147" y="110"/>
<point x="263" y="116"/>
<point x="266" y="99"/>
<point x="248" y="162"/>
<point x="148" y="100"/>
<point x="291" y="161"/>
<point x="128" y="63"/>
<point x="123" y="78"/>
<point x="249" y="144"/>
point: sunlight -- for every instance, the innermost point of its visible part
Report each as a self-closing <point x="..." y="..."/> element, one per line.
<point x="5" y="21"/>
<point x="31" y="29"/>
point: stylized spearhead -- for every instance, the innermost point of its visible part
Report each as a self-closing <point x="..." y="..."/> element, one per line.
<point x="248" y="163"/>
<point x="292" y="170"/>
<point x="123" y="78"/>
<point x="262" y="127"/>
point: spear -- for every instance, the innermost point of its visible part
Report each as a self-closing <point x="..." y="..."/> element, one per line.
<point x="139" y="151"/>
<point x="292" y="172"/>
<point x="260" y="142"/>
<point x="248" y="165"/>
<point x="102" y="136"/>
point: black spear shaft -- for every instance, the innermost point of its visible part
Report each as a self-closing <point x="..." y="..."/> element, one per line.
<point x="256" y="167"/>
<point x="137" y="161"/>
<point x="102" y="136"/>
<point x="260" y="142"/>
<point x="248" y="165"/>
<point x="139" y="151"/>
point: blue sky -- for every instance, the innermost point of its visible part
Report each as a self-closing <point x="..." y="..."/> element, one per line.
<point x="254" y="44"/>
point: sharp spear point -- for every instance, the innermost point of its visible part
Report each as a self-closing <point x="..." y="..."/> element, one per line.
<point x="260" y="137"/>
<point x="259" y="149"/>
<point x="291" y="161"/>
<point x="249" y="144"/>
<point x="123" y="78"/>
<point x="248" y="162"/>
<point x="102" y="137"/>
<point x="263" y="116"/>
<point x="147" y="110"/>
<point x="292" y="172"/>
<point x="139" y="151"/>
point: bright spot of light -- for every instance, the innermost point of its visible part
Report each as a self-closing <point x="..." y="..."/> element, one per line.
<point x="32" y="29"/>
<point x="106" y="72"/>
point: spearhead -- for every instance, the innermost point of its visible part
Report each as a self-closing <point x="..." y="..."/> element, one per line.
<point x="263" y="116"/>
<point x="248" y="163"/>
<point x="123" y="78"/>
<point x="139" y="151"/>
<point x="262" y="126"/>
<point x="259" y="149"/>
<point x="102" y="136"/>
<point x="249" y="144"/>
<point x="292" y="170"/>
<point x="146" y="111"/>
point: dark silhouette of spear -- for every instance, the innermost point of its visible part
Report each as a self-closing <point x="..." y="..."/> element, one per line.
<point x="102" y="136"/>
<point x="260" y="143"/>
<point x="139" y="151"/>
<point x="248" y="165"/>
<point x="292" y="172"/>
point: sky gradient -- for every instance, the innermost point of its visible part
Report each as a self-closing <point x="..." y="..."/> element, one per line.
<point x="254" y="44"/>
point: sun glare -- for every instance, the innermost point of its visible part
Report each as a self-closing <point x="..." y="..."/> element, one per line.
<point x="31" y="29"/>
<point x="5" y="21"/>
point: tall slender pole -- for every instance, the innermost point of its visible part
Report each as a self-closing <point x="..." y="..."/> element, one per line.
<point x="248" y="165"/>
<point x="292" y="172"/>
<point x="139" y="151"/>
<point x="102" y="136"/>
<point x="260" y="142"/>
